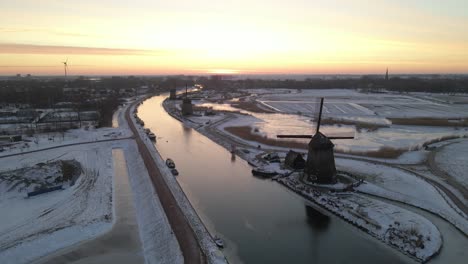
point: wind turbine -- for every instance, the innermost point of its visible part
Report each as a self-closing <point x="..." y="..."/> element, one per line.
<point x="65" y="66"/>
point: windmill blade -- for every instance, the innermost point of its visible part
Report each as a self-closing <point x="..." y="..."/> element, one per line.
<point x="319" y="119"/>
<point x="294" y="136"/>
<point x="350" y="137"/>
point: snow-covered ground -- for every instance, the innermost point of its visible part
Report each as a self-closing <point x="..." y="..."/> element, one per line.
<point x="453" y="159"/>
<point x="399" y="185"/>
<point x="347" y="102"/>
<point x="73" y="136"/>
<point x="159" y="242"/>
<point x="36" y="226"/>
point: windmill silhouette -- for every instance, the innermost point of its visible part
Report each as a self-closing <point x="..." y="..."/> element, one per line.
<point x="187" y="108"/>
<point x="65" y="66"/>
<point x="320" y="164"/>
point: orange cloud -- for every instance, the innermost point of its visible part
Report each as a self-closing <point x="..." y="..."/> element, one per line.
<point x="13" y="48"/>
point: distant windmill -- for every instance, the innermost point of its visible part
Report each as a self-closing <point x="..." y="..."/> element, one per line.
<point x="320" y="164"/>
<point x="187" y="108"/>
<point x="65" y="66"/>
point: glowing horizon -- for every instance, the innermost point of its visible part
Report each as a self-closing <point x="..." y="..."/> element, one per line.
<point x="265" y="37"/>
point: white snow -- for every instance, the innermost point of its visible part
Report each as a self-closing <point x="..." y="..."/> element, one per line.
<point x="159" y="242"/>
<point x="399" y="185"/>
<point x="453" y="159"/>
<point x="33" y="227"/>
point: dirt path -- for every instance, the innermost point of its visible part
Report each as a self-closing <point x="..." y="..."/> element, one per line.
<point x="185" y="236"/>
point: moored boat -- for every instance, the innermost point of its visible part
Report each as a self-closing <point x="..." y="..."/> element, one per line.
<point x="170" y="163"/>
<point x="263" y="173"/>
<point x="219" y="242"/>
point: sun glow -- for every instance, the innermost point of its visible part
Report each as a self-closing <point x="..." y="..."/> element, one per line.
<point x="229" y="38"/>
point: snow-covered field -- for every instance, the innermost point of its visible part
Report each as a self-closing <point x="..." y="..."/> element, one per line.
<point x="73" y="136"/>
<point x="399" y="185"/>
<point x="453" y="159"/>
<point x="33" y="227"/>
<point x="296" y="110"/>
<point x="346" y="102"/>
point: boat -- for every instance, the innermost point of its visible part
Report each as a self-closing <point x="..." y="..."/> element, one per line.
<point x="152" y="136"/>
<point x="263" y="173"/>
<point x="170" y="163"/>
<point x="219" y="242"/>
<point x="174" y="172"/>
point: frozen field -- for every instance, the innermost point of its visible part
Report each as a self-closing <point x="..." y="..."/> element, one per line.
<point x="345" y="103"/>
<point x="453" y="159"/>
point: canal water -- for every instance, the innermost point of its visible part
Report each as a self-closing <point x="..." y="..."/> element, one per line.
<point x="260" y="221"/>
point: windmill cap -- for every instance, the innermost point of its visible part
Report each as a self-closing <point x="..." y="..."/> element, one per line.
<point x="320" y="141"/>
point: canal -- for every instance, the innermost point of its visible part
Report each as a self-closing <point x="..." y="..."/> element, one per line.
<point x="260" y="221"/>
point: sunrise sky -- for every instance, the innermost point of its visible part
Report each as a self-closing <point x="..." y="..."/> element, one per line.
<point x="245" y="36"/>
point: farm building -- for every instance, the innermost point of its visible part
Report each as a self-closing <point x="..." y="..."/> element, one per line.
<point x="294" y="160"/>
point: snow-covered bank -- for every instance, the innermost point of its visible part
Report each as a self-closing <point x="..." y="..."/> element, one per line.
<point x="159" y="242"/>
<point x="406" y="231"/>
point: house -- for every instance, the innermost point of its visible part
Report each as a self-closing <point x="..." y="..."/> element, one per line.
<point x="294" y="160"/>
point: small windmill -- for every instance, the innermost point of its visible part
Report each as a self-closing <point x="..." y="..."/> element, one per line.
<point x="65" y="67"/>
<point x="320" y="164"/>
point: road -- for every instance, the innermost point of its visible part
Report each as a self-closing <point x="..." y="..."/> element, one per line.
<point x="186" y="238"/>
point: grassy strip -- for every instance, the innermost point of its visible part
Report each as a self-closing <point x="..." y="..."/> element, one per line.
<point x="359" y="125"/>
<point x="251" y="106"/>
<point x="429" y="121"/>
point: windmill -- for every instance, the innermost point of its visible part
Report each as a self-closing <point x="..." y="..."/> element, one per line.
<point x="65" y="66"/>
<point x="187" y="108"/>
<point x="320" y="164"/>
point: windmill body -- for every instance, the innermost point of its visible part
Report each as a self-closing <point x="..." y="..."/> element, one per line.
<point x="187" y="108"/>
<point x="320" y="164"/>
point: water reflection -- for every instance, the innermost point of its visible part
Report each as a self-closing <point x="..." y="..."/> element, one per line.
<point x="316" y="219"/>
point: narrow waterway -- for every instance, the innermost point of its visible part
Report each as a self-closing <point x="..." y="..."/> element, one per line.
<point x="261" y="221"/>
